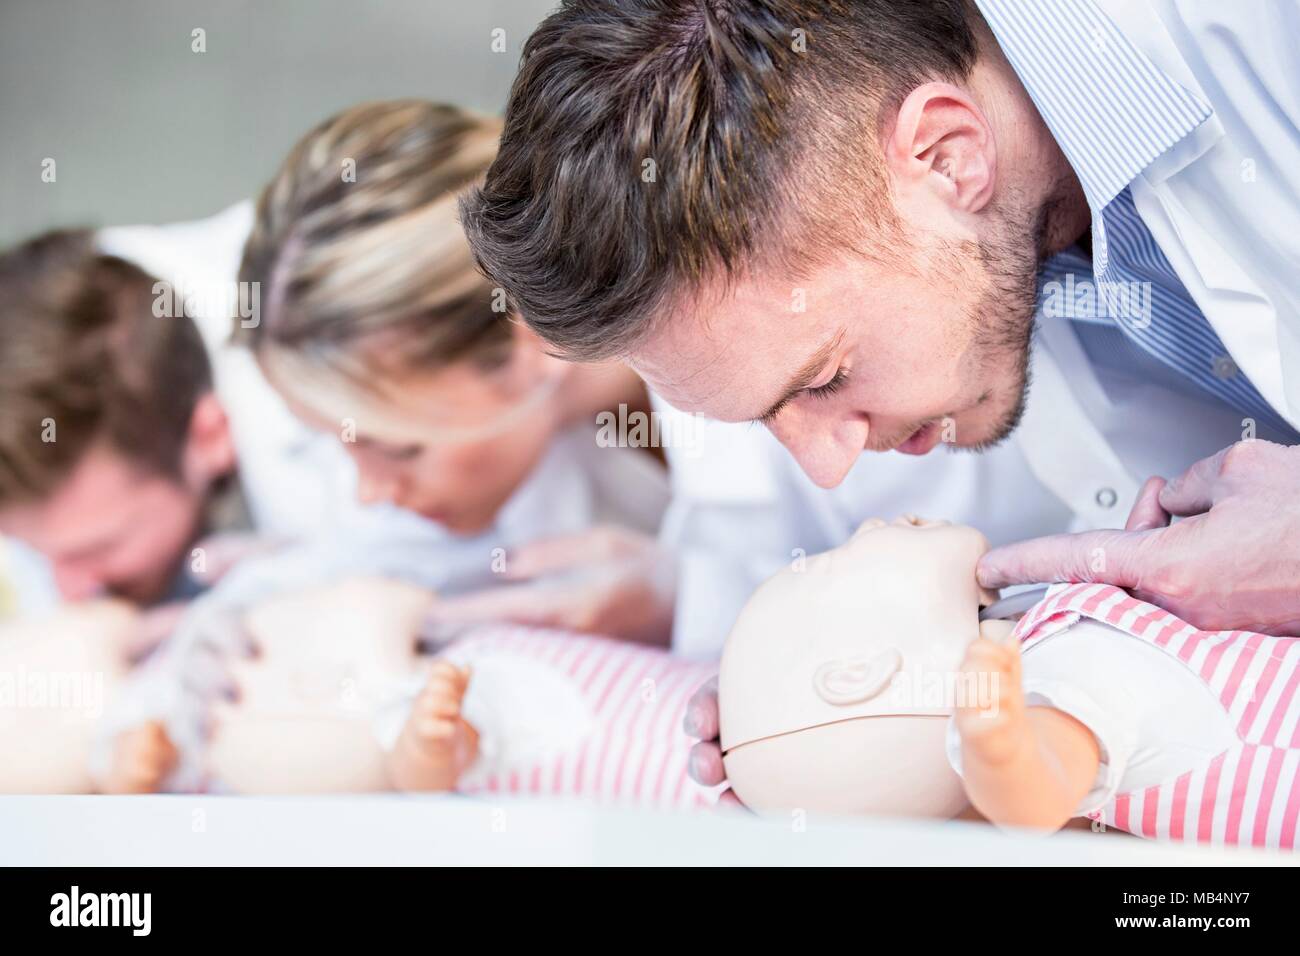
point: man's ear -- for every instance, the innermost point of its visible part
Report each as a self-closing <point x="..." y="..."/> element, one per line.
<point x="942" y="144"/>
<point x="529" y="362"/>
<point x="209" y="447"/>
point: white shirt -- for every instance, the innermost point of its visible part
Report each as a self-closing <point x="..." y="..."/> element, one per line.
<point x="1217" y="197"/>
<point x="1223" y="206"/>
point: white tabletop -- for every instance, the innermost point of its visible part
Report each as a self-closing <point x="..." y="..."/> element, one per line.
<point x="422" y="830"/>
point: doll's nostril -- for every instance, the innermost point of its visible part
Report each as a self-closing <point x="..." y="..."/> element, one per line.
<point x="918" y="521"/>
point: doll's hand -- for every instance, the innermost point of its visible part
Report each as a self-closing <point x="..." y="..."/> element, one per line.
<point x="222" y="650"/>
<point x="701" y="723"/>
<point x="437" y="743"/>
<point x="142" y="759"/>
<point x="993" y="727"/>
<point x="436" y="713"/>
<point x="1022" y="766"/>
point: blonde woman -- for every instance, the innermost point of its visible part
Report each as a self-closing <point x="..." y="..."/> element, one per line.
<point x="376" y="326"/>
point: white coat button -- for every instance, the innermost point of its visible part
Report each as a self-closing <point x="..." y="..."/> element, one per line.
<point x="1224" y="367"/>
<point x="1106" y="497"/>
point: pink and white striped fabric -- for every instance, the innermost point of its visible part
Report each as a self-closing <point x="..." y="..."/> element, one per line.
<point x="1250" y="793"/>
<point x="636" y="752"/>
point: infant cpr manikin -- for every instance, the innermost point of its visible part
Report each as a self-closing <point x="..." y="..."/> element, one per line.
<point x="340" y="698"/>
<point x="328" y="657"/>
<point x="864" y="683"/>
<point x="832" y="688"/>
<point x="60" y="672"/>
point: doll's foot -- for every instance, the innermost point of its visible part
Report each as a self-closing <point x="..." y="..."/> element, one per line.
<point x="436" y="743"/>
<point x="994" y="726"/>
<point x="142" y="759"/>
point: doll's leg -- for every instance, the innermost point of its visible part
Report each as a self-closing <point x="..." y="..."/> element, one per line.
<point x="142" y="757"/>
<point x="1022" y="766"/>
<point x="436" y="743"/>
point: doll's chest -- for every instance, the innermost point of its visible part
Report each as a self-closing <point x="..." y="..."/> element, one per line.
<point x="1254" y="678"/>
<point x="607" y="678"/>
<point x="566" y="715"/>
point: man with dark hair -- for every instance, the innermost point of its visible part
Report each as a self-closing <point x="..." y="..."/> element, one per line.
<point x="113" y="447"/>
<point x="831" y="217"/>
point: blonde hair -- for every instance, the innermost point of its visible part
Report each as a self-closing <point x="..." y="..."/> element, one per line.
<point x="358" y="249"/>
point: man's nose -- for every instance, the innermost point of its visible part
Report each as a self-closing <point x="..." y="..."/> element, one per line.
<point x="826" y="447"/>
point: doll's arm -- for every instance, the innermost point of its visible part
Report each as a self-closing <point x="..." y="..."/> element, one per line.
<point x="141" y="760"/>
<point x="436" y="743"/>
<point x="1023" y="766"/>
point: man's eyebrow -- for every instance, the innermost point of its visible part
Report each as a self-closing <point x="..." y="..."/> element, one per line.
<point x="806" y="375"/>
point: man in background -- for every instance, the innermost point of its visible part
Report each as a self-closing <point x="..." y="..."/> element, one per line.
<point x="115" y="454"/>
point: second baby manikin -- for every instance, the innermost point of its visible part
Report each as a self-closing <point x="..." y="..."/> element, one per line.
<point x="343" y="695"/>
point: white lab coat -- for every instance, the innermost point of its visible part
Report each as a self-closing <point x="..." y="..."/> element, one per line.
<point x="1224" y="209"/>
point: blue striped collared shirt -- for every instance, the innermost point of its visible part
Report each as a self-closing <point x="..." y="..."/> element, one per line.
<point x="1113" y="112"/>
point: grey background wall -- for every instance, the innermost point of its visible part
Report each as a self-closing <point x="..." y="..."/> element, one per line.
<point x="144" y="129"/>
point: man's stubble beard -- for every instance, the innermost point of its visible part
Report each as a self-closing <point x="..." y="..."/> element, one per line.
<point x="1004" y="316"/>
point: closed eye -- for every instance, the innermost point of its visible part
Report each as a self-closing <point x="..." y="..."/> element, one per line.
<point x="394" y="453"/>
<point x="830" y="388"/>
<point x="821" y="391"/>
<point x="405" y="453"/>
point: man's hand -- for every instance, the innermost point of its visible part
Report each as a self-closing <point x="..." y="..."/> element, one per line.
<point x="701" y="723"/>
<point x="608" y="580"/>
<point x="1233" y="563"/>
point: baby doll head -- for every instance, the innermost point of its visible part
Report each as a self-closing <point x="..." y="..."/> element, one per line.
<point x="837" y="680"/>
<point x="59" y="673"/>
<point x="329" y="659"/>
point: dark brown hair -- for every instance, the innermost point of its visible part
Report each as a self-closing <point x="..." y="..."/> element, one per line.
<point x="81" y="348"/>
<point x="650" y="145"/>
